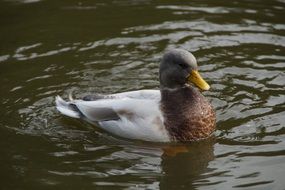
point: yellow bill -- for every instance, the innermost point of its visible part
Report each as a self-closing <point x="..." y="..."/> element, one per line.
<point x="196" y="79"/>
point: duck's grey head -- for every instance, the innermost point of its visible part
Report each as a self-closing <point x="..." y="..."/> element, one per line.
<point x="178" y="68"/>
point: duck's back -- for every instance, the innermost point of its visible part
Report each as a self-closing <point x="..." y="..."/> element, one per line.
<point x="188" y="116"/>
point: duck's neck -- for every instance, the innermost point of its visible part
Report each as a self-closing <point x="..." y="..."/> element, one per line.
<point x="179" y="98"/>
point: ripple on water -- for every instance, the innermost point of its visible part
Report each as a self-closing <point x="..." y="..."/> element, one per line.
<point x="242" y="59"/>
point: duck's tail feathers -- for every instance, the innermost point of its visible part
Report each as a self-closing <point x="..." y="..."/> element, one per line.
<point x="70" y="96"/>
<point x="66" y="108"/>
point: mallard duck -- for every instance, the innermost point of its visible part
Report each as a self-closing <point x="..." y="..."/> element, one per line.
<point x="176" y="112"/>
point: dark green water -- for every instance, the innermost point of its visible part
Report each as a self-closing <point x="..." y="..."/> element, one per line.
<point x="53" y="47"/>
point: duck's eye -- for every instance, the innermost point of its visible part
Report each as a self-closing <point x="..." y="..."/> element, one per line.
<point x="182" y="65"/>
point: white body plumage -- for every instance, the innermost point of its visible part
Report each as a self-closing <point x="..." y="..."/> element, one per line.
<point x="133" y="115"/>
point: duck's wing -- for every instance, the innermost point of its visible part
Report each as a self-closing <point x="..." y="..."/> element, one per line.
<point x="138" y="94"/>
<point x="125" y="117"/>
<point x="85" y="109"/>
<point x="112" y="109"/>
<point x="106" y="107"/>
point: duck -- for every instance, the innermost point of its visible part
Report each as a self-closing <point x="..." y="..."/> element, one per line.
<point x="176" y="112"/>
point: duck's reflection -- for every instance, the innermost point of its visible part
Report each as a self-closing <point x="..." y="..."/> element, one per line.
<point x="182" y="165"/>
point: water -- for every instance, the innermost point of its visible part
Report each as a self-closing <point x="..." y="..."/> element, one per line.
<point x="55" y="47"/>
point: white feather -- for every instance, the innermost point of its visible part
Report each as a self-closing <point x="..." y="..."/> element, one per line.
<point x="134" y="115"/>
<point x="139" y="94"/>
<point x="64" y="108"/>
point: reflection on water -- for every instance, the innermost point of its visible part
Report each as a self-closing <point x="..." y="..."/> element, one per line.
<point x="186" y="169"/>
<point x="49" y="48"/>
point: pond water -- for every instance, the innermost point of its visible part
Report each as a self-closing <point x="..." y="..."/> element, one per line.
<point x="51" y="48"/>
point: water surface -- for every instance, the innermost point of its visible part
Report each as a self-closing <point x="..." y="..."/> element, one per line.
<point x="55" y="47"/>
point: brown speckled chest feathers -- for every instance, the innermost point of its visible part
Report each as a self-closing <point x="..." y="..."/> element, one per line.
<point x="188" y="116"/>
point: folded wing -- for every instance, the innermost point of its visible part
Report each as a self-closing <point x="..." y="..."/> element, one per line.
<point x="134" y="115"/>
